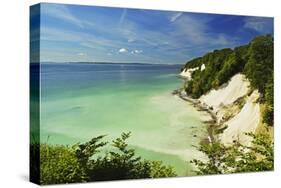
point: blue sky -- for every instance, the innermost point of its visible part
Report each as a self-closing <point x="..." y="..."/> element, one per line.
<point x="72" y="33"/>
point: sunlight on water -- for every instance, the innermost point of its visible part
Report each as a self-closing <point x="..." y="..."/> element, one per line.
<point x="82" y="101"/>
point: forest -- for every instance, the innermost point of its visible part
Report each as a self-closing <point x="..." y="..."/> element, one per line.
<point x="255" y="60"/>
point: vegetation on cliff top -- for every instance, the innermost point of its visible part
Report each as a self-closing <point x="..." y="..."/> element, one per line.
<point x="255" y="60"/>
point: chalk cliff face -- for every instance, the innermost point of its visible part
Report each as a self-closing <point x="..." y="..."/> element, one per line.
<point x="233" y="84"/>
<point x="237" y="87"/>
<point x="235" y="110"/>
<point x="186" y="73"/>
<point x="245" y="121"/>
<point x="241" y="120"/>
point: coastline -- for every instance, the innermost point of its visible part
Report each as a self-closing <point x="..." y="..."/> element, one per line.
<point x="229" y="106"/>
<point x="203" y="108"/>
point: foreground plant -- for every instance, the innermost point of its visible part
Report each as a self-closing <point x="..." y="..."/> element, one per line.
<point x="224" y="159"/>
<point x="85" y="162"/>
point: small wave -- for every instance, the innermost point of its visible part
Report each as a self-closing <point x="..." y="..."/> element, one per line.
<point x="184" y="154"/>
<point x="166" y="76"/>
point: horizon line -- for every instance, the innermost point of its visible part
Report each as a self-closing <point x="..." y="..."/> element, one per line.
<point x="106" y="62"/>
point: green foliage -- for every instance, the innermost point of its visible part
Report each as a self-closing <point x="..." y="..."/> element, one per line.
<point x="81" y="162"/>
<point x="85" y="151"/>
<point x="268" y="115"/>
<point x="203" y="81"/>
<point x="215" y="165"/>
<point x="255" y="60"/>
<point x="121" y="163"/>
<point x="196" y="62"/>
<point x="157" y="169"/>
<point x="59" y="164"/>
<point x="259" y="68"/>
<point x="234" y="64"/>
<point x="237" y="157"/>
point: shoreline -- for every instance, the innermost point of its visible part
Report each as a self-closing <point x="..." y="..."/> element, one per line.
<point x="201" y="107"/>
<point x="230" y="107"/>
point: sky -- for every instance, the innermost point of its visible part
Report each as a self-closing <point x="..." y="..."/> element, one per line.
<point x="74" y="33"/>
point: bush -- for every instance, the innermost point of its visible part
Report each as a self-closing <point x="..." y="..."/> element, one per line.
<point x="80" y="163"/>
<point x="237" y="157"/>
<point x="268" y="116"/>
<point x="59" y="164"/>
<point x="259" y="68"/>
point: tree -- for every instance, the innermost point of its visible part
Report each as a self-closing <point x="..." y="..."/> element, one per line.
<point x="268" y="115"/>
<point x="204" y="81"/>
<point x="59" y="164"/>
<point x="88" y="162"/>
<point x="122" y="163"/>
<point x="259" y="68"/>
<point x="255" y="60"/>
<point x="235" y="158"/>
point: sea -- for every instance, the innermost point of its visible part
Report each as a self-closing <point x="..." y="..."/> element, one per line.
<point x="79" y="101"/>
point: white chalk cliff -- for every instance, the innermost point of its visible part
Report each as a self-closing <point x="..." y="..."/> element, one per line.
<point x="242" y="120"/>
<point x="186" y="73"/>
<point x="245" y="121"/>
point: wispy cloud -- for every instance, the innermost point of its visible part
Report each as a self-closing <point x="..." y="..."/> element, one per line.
<point x="261" y="25"/>
<point x="196" y="32"/>
<point x="123" y="15"/>
<point x="136" y="51"/>
<point x="105" y="34"/>
<point x="175" y="16"/>
<point x="81" y="54"/>
<point x="191" y="28"/>
<point x="62" y="13"/>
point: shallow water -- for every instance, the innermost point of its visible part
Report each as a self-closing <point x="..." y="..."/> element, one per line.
<point x="81" y="101"/>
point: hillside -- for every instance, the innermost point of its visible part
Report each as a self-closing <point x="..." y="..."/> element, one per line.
<point x="207" y="78"/>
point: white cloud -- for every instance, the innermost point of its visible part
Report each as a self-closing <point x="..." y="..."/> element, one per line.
<point x="136" y="51"/>
<point x="81" y="54"/>
<point x="175" y="16"/>
<point x="184" y="34"/>
<point x="261" y="25"/>
<point x="123" y="50"/>
<point x="131" y="40"/>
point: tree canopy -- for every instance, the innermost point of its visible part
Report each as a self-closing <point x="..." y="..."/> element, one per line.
<point x="87" y="162"/>
<point x="255" y="60"/>
<point x="236" y="158"/>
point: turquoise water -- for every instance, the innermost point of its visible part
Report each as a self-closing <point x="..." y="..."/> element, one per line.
<point x="81" y="101"/>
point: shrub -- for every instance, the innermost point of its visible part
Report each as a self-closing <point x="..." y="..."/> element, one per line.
<point x="237" y="157"/>
<point x="80" y="162"/>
